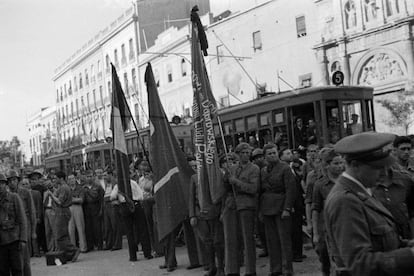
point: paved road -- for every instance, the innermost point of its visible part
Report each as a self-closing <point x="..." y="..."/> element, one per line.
<point x="105" y="263"/>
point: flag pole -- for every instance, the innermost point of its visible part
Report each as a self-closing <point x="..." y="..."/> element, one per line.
<point x="226" y="153"/>
<point x="139" y="136"/>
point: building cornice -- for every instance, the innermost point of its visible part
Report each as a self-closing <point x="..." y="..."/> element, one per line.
<point x="355" y="36"/>
<point x="96" y="43"/>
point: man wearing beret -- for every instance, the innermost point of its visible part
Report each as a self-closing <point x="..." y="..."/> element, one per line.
<point x="332" y="168"/>
<point x="361" y="233"/>
<point x="239" y="211"/>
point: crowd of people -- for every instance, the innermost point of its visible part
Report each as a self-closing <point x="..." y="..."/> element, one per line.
<point x="274" y="199"/>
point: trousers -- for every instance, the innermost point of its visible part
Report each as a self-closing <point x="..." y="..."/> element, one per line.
<point x="233" y="222"/>
<point x="77" y="224"/>
<point x="11" y="257"/>
<point x="50" y="231"/>
<point x="62" y="233"/>
<point x="279" y="243"/>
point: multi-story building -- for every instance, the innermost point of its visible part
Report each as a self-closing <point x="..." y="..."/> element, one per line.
<point x="244" y="53"/>
<point x="83" y="83"/>
<point x="371" y="42"/>
<point x="42" y="136"/>
<point x="267" y="47"/>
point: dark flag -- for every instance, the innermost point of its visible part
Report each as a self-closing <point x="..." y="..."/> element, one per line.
<point x="204" y="116"/>
<point x="171" y="170"/>
<point x="120" y="119"/>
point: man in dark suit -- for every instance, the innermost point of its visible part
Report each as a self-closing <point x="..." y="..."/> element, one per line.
<point x="362" y="234"/>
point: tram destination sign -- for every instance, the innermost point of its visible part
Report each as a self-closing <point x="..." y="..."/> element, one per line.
<point x="338" y="78"/>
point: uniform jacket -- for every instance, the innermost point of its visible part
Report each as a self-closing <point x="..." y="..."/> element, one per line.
<point x="28" y="205"/>
<point x="64" y="194"/>
<point x="362" y="234"/>
<point x="278" y="189"/>
<point x="246" y="188"/>
<point x="396" y="193"/>
<point x="212" y="210"/>
<point x="13" y="221"/>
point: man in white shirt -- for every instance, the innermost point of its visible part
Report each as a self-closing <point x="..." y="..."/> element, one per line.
<point x="134" y="219"/>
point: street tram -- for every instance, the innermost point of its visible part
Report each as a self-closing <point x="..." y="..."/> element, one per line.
<point x="99" y="155"/>
<point x="297" y="118"/>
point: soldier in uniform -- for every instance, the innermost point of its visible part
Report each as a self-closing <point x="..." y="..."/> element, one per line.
<point x="242" y="182"/>
<point x="332" y="168"/>
<point x="402" y="151"/>
<point x="207" y="226"/>
<point x="13" y="179"/>
<point x="395" y="190"/>
<point x="278" y="195"/>
<point x="13" y="231"/>
<point x="362" y="234"/>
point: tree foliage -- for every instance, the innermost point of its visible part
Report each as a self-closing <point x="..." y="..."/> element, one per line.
<point x="401" y="110"/>
<point x="10" y="152"/>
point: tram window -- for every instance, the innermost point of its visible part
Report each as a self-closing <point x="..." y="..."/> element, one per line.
<point x="332" y="115"/>
<point x="227" y="128"/>
<point x="107" y="158"/>
<point x="281" y="137"/>
<point x="368" y="105"/>
<point x="239" y="124"/>
<point x="351" y="112"/>
<point x="240" y="138"/>
<point x="252" y="139"/>
<point x="303" y="127"/>
<point x="252" y="122"/>
<point x="279" y="117"/>
<point x="217" y="131"/>
<point x="265" y="137"/>
<point x="264" y="119"/>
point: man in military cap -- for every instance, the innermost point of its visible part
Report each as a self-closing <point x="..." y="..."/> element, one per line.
<point x="13" y="231"/>
<point x="239" y="212"/>
<point x="361" y="232"/>
<point x="13" y="180"/>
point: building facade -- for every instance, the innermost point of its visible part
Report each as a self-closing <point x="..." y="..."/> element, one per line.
<point x="371" y="41"/>
<point x="42" y="135"/>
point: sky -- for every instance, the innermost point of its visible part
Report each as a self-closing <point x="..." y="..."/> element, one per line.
<point x="38" y="36"/>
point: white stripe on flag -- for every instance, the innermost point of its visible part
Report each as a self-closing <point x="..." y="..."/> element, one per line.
<point x="119" y="134"/>
<point x="165" y="179"/>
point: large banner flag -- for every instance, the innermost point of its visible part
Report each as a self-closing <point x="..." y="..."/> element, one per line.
<point x="120" y="119"/>
<point x="170" y="167"/>
<point x="204" y="116"/>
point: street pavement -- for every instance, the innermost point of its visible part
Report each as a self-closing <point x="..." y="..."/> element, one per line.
<point x="105" y="263"/>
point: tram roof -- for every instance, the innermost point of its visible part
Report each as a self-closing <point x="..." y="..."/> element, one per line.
<point x="310" y="93"/>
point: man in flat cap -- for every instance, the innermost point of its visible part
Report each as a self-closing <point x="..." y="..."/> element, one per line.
<point x="361" y="232"/>
<point x="239" y="212"/>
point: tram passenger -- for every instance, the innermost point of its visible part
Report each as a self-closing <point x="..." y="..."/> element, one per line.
<point x="311" y="132"/>
<point x="300" y="134"/>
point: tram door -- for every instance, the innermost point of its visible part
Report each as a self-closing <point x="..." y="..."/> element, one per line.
<point x="303" y="125"/>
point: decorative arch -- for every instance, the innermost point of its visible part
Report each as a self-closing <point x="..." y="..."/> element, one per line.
<point x="379" y="66"/>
